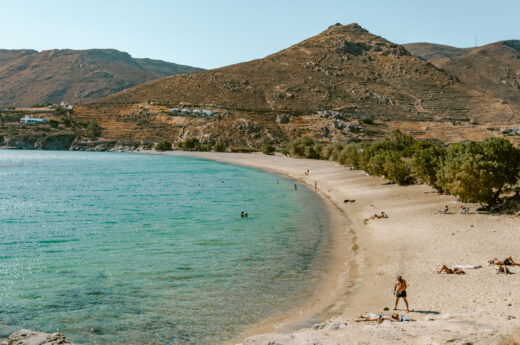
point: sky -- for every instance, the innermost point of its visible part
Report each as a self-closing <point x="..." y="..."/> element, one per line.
<point x="217" y="33"/>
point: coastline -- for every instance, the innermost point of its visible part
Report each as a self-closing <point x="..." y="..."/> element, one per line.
<point x="339" y="252"/>
<point x="480" y="307"/>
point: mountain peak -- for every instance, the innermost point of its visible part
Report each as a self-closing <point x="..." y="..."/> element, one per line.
<point x="338" y="28"/>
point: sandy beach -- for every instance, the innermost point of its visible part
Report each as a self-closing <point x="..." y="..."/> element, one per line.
<point x="480" y="307"/>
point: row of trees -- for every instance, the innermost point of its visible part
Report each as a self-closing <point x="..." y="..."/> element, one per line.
<point x="473" y="171"/>
<point x="193" y="144"/>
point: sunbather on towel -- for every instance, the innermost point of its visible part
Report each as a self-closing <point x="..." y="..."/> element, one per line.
<point x="445" y="268"/>
<point x="381" y="317"/>
<point x="507" y="261"/>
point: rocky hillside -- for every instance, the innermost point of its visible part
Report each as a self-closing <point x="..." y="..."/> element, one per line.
<point x="344" y="68"/>
<point x="437" y="54"/>
<point x="344" y="84"/>
<point x="29" y="77"/>
<point x="331" y="86"/>
<point x="493" y="69"/>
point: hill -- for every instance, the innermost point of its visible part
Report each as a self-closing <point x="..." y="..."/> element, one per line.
<point x="437" y="54"/>
<point x="29" y="77"/>
<point x="493" y="69"/>
<point x="344" y="84"/>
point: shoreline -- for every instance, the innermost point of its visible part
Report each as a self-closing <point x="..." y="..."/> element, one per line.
<point x="341" y="268"/>
<point x="479" y="307"/>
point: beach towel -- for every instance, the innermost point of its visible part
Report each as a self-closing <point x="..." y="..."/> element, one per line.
<point x="465" y="267"/>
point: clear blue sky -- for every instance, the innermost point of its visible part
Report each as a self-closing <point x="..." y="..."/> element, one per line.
<point x="215" y="33"/>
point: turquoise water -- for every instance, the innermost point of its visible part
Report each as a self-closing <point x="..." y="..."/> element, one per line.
<point x="146" y="249"/>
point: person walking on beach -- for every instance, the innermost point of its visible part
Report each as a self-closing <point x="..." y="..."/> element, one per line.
<point x="400" y="292"/>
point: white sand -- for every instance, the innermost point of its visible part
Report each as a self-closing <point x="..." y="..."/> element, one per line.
<point x="479" y="307"/>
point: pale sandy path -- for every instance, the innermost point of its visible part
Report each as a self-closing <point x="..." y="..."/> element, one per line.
<point x="414" y="242"/>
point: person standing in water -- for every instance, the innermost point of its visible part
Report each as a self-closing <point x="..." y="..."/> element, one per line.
<point x="400" y="292"/>
<point x="295" y="187"/>
<point x="242" y="214"/>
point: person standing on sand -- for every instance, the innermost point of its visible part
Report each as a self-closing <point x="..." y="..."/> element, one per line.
<point x="400" y="292"/>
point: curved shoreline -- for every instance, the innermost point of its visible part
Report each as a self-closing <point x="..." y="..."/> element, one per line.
<point x="331" y="290"/>
<point x="480" y="307"/>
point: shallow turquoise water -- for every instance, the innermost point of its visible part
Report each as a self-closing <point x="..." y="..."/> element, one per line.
<point x="144" y="249"/>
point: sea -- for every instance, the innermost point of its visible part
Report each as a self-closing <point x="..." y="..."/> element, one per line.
<point x="123" y="248"/>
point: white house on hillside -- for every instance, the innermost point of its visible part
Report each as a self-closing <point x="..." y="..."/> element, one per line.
<point x="33" y="120"/>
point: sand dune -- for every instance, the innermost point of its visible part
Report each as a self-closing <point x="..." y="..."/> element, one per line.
<point x="480" y="307"/>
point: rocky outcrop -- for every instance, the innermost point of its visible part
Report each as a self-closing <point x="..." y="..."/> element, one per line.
<point x="112" y="146"/>
<point x="37" y="142"/>
<point x="69" y="141"/>
<point x="28" y="337"/>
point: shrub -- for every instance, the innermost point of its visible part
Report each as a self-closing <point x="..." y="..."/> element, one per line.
<point x="53" y="123"/>
<point x="478" y="172"/>
<point x="425" y="164"/>
<point x="368" y="121"/>
<point x="268" y="149"/>
<point x="396" y="169"/>
<point x="220" y="147"/>
<point x="191" y="144"/>
<point x="65" y="120"/>
<point x="163" y="146"/>
<point x="93" y="130"/>
<point x="244" y="149"/>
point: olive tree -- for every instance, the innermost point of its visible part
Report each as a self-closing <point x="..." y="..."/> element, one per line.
<point x="478" y="172"/>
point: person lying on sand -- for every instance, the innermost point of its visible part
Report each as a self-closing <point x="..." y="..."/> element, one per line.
<point x="381" y="317"/>
<point x="507" y="262"/>
<point x="503" y="269"/>
<point x="445" y="268"/>
<point x="376" y="216"/>
<point x="445" y="211"/>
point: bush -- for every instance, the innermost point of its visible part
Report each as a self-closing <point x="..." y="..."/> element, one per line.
<point x="478" y="172"/>
<point x="243" y="149"/>
<point x="268" y="149"/>
<point x="191" y="144"/>
<point x="163" y="146"/>
<point x="396" y="169"/>
<point x="426" y="163"/>
<point x="65" y="120"/>
<point x="220" y="147"/>
<point x="93" y="130"/>
<point x="53" y="123"/>
<point x="368" y="121"/>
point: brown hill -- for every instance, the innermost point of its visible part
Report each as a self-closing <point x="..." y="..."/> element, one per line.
<point x="344" y="67"/>
<point x="437" y="54"/>
<point x="493" y="69"/>
<point x="29" y="77"/>
<point x="343" y="84"/>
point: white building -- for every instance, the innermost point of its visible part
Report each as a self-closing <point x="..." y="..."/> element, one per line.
<point x="33" y="120"/>
<point x="66" y="105"/>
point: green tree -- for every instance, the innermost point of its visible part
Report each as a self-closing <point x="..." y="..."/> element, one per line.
<point x="163" y="146"/>
<point x="220" y="147"/>
<point x="478" y="172"/>
<point x="426" y="162"/>
<point x="396" y="169"/>
<point x="191" y="144"/>
<point x="268" y="149"/>
<point x="93" y="130"/>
